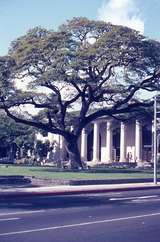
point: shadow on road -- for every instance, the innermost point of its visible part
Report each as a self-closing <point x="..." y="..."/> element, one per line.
<point x="49" y="202"/>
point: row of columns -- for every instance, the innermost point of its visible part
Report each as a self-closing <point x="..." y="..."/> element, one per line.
<point x="109" y="142"/>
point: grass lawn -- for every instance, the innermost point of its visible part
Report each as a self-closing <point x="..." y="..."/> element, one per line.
<point x="50" y="172"/>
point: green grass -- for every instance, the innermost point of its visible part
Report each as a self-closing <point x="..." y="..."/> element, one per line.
<point x="50" y="172"/>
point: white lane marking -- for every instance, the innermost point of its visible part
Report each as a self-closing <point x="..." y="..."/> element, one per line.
<point x="8" y="219"/>
<point x="104" y="194"/>
<point x="80" y="224"/>
<point x="130" y="198"/>
<point x="26" y="212"/>
<point x="145" y="200"/>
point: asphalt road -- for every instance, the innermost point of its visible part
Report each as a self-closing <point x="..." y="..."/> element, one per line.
<point x="110" y="217"/>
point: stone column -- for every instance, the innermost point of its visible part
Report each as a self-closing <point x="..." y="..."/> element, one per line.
<point x="96" y="141"/>
<point x="123" y="143"/>
<point x="84" y="145"/>
<point x="138" y="141"/>
<point x="109" y="142"/>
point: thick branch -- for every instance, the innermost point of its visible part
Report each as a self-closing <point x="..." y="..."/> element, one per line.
<point x="112" y="111"/>
<point x="132" y="89"/>
<point x="38" y="125"/>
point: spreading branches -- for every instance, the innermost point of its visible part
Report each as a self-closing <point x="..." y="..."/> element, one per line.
<point x="84" y="66"/>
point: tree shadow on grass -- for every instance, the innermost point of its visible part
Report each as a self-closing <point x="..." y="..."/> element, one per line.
<point x="110" y="170"/>
<point x="7" y="182"/>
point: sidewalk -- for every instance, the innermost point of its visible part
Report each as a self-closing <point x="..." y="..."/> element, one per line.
<point x="73" y="190"/>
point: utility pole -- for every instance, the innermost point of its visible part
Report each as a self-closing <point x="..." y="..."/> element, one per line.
<point x="155" y="142"/>
<point x="156" y="137"/>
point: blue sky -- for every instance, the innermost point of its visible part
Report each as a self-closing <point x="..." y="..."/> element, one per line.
<point x="17" y="16"/>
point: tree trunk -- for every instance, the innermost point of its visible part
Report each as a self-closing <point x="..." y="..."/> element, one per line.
<point x="12" y="153"/>
<point x="74" y="154"/>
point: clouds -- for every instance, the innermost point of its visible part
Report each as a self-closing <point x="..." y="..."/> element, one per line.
<point x="121" y="12"/>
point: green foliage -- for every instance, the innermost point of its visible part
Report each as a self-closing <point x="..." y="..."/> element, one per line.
<point x="42" y="148"/>
<point x="10" y="132"/>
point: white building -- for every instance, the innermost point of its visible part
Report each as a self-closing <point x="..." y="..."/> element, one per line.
<point x="106" y="141"/>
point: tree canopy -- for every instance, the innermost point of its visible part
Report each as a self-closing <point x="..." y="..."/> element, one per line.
<point x="85" y="70"/>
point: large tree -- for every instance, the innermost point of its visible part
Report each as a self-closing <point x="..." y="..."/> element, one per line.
<point x="83" y="71"/>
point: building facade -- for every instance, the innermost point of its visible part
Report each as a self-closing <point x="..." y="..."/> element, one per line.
<point x="106" y="141"/>
<point x="111" y="141"/>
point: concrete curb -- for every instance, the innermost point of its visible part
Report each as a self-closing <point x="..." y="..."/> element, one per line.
<point x="74" y="190"/>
